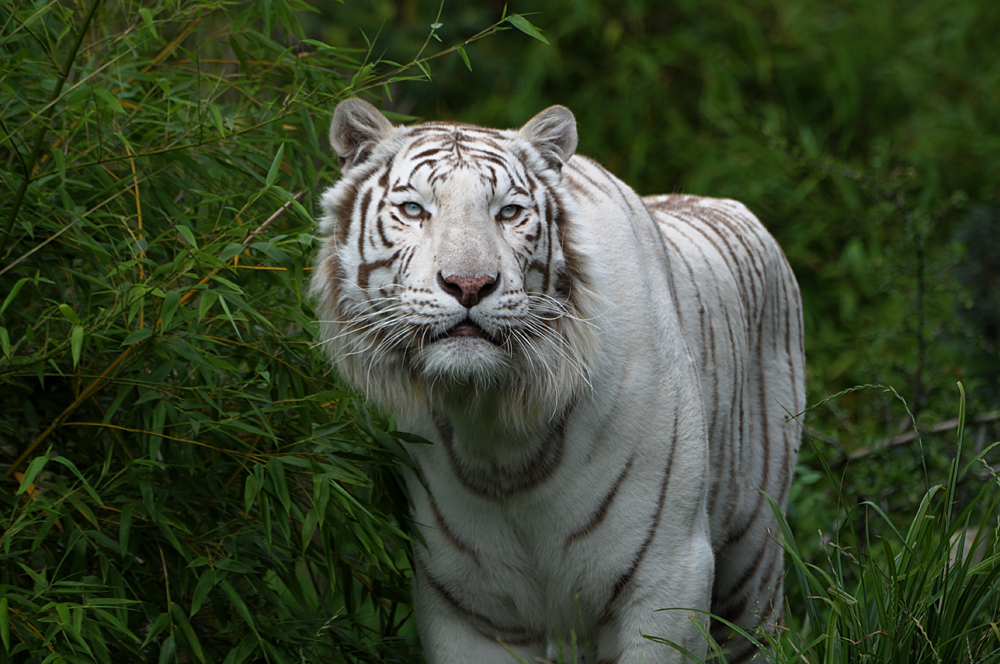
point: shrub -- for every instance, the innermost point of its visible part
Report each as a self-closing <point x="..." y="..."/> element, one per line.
<point x="185" y="479"/>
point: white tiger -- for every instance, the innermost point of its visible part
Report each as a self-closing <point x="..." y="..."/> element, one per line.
<point x="605" y="380"/>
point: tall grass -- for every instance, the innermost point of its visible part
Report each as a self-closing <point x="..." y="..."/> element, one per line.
<point x="927" y="592"/>
<point x="917" y="588"/>
<point x="185" y="480"/>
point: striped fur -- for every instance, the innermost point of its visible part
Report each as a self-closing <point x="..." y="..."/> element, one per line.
<point x="605" y="379"/>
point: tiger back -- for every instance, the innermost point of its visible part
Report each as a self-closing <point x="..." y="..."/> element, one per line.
<point x="605" y="380"/>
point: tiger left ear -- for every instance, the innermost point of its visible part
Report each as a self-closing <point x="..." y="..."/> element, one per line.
<point x="553" y="133"/>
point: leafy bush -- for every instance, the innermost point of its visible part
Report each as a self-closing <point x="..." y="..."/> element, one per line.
<point x="928" y="592"/>
<point x="185" y="480"/>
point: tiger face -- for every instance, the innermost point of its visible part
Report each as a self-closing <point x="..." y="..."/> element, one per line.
<point x="449" y="266"/>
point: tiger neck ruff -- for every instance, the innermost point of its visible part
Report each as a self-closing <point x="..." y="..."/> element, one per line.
<point x="604" y="377"/>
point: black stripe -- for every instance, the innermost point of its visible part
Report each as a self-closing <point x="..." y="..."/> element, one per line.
<point x="602" y="510"/>
<point x="626" y="577"/>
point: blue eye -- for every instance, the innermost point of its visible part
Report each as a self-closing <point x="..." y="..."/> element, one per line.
<point x="509" y="212"/>
<point x="413" y="210"/>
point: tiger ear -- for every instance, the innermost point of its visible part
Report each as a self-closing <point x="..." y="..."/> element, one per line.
<point x="356" y="129"/>
<point x="553" y="133"/>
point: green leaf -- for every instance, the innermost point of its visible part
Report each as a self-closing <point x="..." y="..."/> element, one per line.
<point x="525" y="26"/>
<point x="276" y="473"/>
<point x="35" y="467"/>
<point x="309" y="527"/>
<point x="188" y="235"/>
<point x="208" y="298"/>
<point x="70" y="315"/>
<point x="250" y="489"/>
<point x="4" y="341"/>
<point x="161" y="623"/>
<point x="5" y="623"/>
<point x="15" y="289"/>
<point x="76" y="343"/>
<point x="192" y="640"/>
<point x="234" y="44"/>
<point x="167" y="651"/>
<point x="125" y="527"/>
<point x="205" y="584"/>
<point x="213" y="110"/>
<point x="147" y="17"/>
<point x="67" y="463"/>
<point x="229" y="317"/>
<point x="170" y="303"/>
<point x="273" y="252"/>
<point x="109" y="100"/>
<point x="465" y="57"/>
<point x="272" y="173"/>
<point x="238" y="603"/>
<point x="239" y="654"/>
<point x="141" y="334"/>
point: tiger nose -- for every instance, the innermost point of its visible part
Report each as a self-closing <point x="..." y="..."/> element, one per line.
<point x="467" y="290"/>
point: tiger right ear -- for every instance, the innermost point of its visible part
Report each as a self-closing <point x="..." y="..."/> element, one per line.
<point x="356" y="129"/>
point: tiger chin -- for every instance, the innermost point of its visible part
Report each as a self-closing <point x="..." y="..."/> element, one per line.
<point x="605" y="379"/>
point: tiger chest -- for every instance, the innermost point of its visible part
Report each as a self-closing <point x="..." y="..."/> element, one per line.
<point x="536" y="552"/>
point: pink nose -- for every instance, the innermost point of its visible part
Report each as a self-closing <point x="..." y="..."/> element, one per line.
<point x="467" y="290"/>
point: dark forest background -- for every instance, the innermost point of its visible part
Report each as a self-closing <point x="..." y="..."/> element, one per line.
<point x="186" y="479"/>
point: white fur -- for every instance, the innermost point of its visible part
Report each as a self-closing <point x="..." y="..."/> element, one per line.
<point x="653" y="407"/>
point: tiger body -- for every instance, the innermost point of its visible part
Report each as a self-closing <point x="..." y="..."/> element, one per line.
<point x="604" y="379"/>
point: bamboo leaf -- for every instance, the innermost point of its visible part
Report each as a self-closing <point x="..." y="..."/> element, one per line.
<point x="276" y="473"/>
<point x="70" y="315"/>
<point x="124" y="527"/>
<point x="187" y="235"/>
<point x="109" y="100"/>
<point x="238" y="603"/>
<point x="5" y="623"/>
<point x="525" y="26"/>
<point x="272" y="173"/>
<point x="170" y="304"/>
<point x="168" y="650"/>
<point x="205" y="584"/>
<point x="14" y="290"/>
<point x="76" y="344"/>
<point x="234" y="44"/>
<point x="465" y="58"/>
<point x="138" y="336"/>
<point x="36" y="466"/>
<point x="187" y="631"/>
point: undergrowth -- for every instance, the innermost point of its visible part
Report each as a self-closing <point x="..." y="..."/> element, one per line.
<point x="185" y="480"/>
<point x="920" y="587"/>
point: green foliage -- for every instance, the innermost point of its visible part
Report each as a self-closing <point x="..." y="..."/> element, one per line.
<point x="188" y="482"/>
<point x="862" y="134"/>
<point x="926" y="592"/>
<point x="185" y="480"/>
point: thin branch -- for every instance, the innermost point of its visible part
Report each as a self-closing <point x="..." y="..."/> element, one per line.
<point x="903" y="439"/>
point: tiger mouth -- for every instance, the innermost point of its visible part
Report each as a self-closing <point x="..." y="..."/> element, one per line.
<point x="467" y="329"/>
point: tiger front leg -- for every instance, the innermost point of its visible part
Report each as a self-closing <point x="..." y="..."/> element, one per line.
<point x="450" y="635"/>
<point x="674" y="580"/>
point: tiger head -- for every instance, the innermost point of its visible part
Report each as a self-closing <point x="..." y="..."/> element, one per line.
<point x="448" y="270"/>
